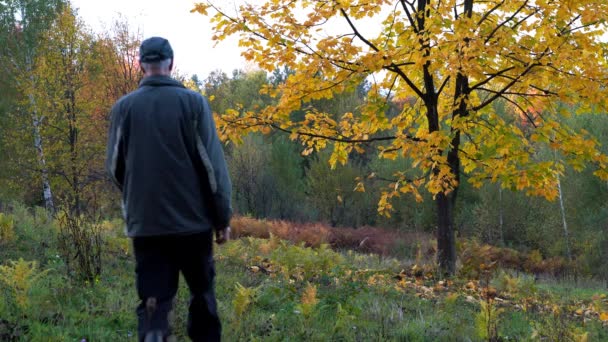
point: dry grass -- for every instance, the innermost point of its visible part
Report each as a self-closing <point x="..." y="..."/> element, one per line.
<point x="420" y="248"/>
<point x="474" y="255"/>
<point x="365" y="239"/>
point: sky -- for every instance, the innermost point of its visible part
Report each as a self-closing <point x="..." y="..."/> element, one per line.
<point x="189" y="33"/>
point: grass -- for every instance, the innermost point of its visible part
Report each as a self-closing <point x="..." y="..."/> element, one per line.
<point x="275" y="290"/>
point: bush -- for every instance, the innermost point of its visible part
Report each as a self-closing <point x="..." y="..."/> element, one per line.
<point x="19" y="276"/>
<point x="80" y="244"/>
<point x="7" y="228"/>
<point x="514" y="285"/>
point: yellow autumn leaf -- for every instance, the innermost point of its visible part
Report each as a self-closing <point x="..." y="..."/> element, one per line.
<point x="200" y="8"/>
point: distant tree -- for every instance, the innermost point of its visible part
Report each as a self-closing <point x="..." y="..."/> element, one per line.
<point x="117" y="55"/>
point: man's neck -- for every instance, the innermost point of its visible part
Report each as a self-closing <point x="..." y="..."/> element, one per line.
<point x="156" y="74"/>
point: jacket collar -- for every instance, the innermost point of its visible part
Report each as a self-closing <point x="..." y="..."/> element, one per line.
<point x="159" y="81"/>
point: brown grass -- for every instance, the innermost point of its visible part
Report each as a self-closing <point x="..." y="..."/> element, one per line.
<point x="365" y="239"/>
<point x="474" y="255"/>
<point x="420" y="248"/>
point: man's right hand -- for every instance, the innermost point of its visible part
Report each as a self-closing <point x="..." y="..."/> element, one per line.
<point x="222" y="235"/>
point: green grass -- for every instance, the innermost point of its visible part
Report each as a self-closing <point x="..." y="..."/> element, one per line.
<point x="358" y="297"/>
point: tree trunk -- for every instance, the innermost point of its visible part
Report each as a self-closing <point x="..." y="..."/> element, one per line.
<point x="564" y="222"/>
<point x="563" y="212"/>
<point x="501" y="216"/>
<point x="446" y="243"/>
<point x="46" y="184"/>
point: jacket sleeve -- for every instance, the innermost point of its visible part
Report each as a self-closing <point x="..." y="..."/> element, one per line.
<point x="115" y="163"/>
<point x="211" y="153"/>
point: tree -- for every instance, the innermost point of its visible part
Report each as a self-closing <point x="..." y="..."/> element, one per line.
<point x="455" y="58"/>
<point x="77" y="78"/>
<point x="117" y="53"/>
<point x="63" y="90"/>
<point x="22" y="23"/>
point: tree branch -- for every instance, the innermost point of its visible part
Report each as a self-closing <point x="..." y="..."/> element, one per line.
<point x="505" y="22"/>
<point x="445" y="81"/>
<point x="487" y="14"/>
<point x="506" y="88"/>
<point x="409" y="17"/>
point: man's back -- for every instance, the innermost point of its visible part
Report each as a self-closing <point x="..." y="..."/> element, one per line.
<point x="167" y="178"/>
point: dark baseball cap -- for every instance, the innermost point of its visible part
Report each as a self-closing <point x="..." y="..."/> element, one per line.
<point x="155" y="49"/>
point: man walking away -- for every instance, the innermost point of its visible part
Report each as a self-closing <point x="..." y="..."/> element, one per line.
<point x="165" y="157"/>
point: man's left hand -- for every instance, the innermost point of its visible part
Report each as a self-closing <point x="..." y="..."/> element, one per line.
<point x="222" y="235"/>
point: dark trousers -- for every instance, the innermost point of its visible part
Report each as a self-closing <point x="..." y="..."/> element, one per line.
<point x="159" y="260"/>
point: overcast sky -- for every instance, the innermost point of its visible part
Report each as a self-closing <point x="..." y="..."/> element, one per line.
<point x="189" y="33"/>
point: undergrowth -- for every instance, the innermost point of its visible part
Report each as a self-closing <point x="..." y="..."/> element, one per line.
<point x="272" y="289"/>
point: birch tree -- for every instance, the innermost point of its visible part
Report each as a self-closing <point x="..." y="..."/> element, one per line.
<point x="22" y="22"/>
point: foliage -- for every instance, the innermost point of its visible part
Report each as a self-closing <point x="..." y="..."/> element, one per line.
<point x="350" y="296"/>
<point x="514" y="285"/>
<point x="309" y="300"/>
<point x="80" y="243"/>
<point x="7" y="228"/>
<point x="366" y="239"/>
<point x="487" y="321"/>
<point x="272" y="180"/>
<point x="334" y="195"/>
<point x="449" y="63"/>
<point x="23" y="25"/>
<point x="19" y="276"/>
<point x="64" y="80"/>
<point x="242" y="298"/>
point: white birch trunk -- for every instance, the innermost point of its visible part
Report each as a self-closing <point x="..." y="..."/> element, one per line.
<point x="564" y="222"/>
<point x="36" y="121"/>
<point x="500" y="216"/>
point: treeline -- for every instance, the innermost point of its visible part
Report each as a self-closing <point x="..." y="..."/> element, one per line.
<point x="60" y="80"/>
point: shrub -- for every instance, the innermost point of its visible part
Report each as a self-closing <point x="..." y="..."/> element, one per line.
<point x="281" y="229"/>
<point x="7" y="228"/>
<point x="80" y="244"/>
<point x="246" y="226"/>
<point x="515" y="285"/>
<point x="243" y="297"/>
<point x="309" y="300"/>
<point x="19" y="276"/>
<point x="312" y="235"/>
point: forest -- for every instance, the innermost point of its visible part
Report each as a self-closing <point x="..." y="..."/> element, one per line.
<point x="450" y="173"/>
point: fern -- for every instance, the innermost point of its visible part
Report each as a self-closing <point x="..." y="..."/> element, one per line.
<point x="19" y="276"/>
<point x="243" y="297"/>
<point x="487" y="320"/>
<point x="309" y="300"/>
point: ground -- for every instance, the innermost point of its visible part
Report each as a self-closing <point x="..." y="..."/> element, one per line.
<point x="275" y="290"/>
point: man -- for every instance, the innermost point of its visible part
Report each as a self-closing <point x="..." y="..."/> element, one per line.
<point x="165" y="157"/>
